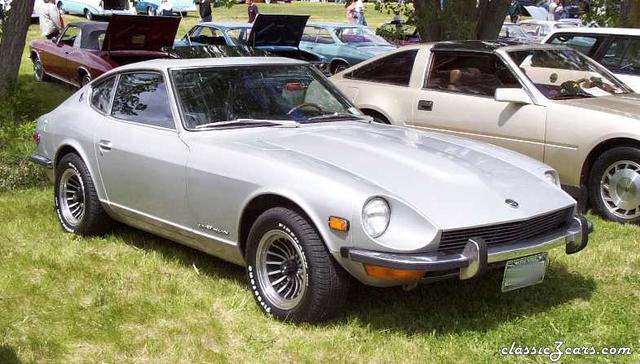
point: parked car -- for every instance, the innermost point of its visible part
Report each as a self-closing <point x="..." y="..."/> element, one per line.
<point x="150" y="7"/>
<point x="548" y="102"/>
<point x="343" y="45"/>
<point x="273" y="33"/>
<point x="92" y="8"/>
<point x="85" y="50"/>
<point x="263" y="163"/>
<point x="618" y="49"/>
<point x="511" y="32"/>
<point x="538" y="29"/>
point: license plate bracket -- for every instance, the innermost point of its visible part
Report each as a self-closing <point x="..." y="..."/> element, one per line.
<point x="525" y="271"/>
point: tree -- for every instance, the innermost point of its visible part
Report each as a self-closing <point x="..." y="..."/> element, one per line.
<point x="14" y="25"/>
<point x="452" y="19"/>
<point x="631" y="13"/>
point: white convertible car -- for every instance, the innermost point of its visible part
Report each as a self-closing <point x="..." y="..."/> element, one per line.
<point x="549" y="102"/>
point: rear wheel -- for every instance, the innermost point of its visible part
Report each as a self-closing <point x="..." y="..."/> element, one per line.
<point x="88" y="14"/>
<point x="614" y="185"/>
<point x="292" y="275"/>
<point x="77" y="204"/>
<point x="85" y="79"/>
<point x="151" y="11"/>
<point x="339" y="67"/>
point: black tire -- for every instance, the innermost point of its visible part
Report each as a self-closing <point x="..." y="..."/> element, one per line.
<point x="603" y="173"/>
<point x="84" y="79"/>
<point x="327" y="283"/>
<point x="93" y="220"/>
<point x="88" y="14"/>
<point x="184" y="14"/>
<point x="338" y="67"/>
<point x="377" y="118"/>
<point x="151" y="11"/>
<point x="38" y="70"/>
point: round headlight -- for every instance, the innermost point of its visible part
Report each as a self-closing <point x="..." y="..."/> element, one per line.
<point x="552" y="177"/>
<point x="375" y="216"/>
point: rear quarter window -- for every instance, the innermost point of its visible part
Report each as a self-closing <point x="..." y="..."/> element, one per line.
<point x="394" y="69"/>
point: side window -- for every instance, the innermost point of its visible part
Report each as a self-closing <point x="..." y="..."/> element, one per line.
<point x="69" y="36"/>
<point x="473" y="74"/>
<point x="623" y="56"/>
<point x="101" y="95"/>
<point x="394" y="69"/>
<point x="586" y="44"/>
<point x="324" y="37"/>
<point x="309" y="34"/>
<point x="142" y="98"/>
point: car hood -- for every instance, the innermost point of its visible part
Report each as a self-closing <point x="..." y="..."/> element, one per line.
<point x="620" y="105"/>
<point x="277" y="30"/>
<point x="133" y="32"/>
<point x="454" y="182"/>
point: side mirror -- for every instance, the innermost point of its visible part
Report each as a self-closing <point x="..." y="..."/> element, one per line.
<point x="513" y="95"/>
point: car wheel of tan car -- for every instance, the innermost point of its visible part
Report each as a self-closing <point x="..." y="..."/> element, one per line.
<point x="38" y="70"/>
<point x="292" y="275"/>
<point x="614" y="184"/>
<point x="77" y="204"/>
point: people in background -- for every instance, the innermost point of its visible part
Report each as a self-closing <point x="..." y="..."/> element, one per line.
<point x="51" y="23"/>
<point x="252" y="11"/>
<point x="553" y="9"/>
<point x="205" y="10"/>
<point x="165" y="8"/>
<point x="352" y="16"/>
<point x="132" y="8"/>
<point x="361" y="20"/>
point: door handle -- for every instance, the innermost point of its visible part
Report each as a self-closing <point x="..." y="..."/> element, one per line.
<point x="425" y="105"/>
<point x="104" y="145"/>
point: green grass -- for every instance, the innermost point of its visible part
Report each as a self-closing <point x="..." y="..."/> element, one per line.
<point x="132" y="297"/>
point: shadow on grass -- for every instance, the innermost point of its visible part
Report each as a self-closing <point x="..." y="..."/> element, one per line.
<point x="8" y="355"/>
<point x="444" y="307"/>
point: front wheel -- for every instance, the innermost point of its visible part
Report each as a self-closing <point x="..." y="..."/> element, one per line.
<point x="151" y="11"/>
<point x="85" y="80"/>
<point x="77" y="204"/>
<point x="292" y="275"/>
<point x="339" y="67"/>
<point x="88" y="14"/>
<point x="614" y="184"/>
<point x="38" y="70"/>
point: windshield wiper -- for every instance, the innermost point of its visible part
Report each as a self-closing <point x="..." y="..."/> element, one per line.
<point x="254" y="122"/>
<point x="341" y="115"/>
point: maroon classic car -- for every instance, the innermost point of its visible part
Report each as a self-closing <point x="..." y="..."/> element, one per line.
<point x="85" y="50"/>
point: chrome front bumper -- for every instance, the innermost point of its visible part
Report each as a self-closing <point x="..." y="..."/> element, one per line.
<point x="477" y="255"/>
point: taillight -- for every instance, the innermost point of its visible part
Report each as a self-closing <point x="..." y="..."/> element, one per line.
<point x="36" y="137"/>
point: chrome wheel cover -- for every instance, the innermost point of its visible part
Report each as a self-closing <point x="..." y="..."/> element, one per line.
<point x="620" y="189"/>
<point x="71" y="197"/>
<point x="38" y="70"/>
<point x="282" y="270"/>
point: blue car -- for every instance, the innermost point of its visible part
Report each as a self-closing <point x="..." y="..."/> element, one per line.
<point x="342" y="44"/>
<point x="92" y="8"/>
<point x="150" y="7"/>
<point x="276" y="34"/>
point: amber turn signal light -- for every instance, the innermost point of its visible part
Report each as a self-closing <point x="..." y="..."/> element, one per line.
<point x="395" y="274"/>
<point x="338" y="224"/>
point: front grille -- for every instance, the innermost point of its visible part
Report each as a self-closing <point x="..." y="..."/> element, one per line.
<point x="455" y="240"/>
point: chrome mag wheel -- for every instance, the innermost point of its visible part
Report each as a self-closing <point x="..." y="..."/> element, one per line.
<point x="71" y="197"/>
<point x="620" y="189"/>
<point x="282" y="271"/>
<point x="38" y="70"/>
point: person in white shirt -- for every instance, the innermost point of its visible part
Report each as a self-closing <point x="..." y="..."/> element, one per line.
<point x="361" y="20"/>
<point x="553" y="6"/>
<point x="50" y="19"/>
<point x="165" y="9"/>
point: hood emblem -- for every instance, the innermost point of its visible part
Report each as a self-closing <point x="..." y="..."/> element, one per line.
<point x="512" y="203"/>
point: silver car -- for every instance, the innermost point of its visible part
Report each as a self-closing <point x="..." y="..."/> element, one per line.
<point x="263" y="163"/>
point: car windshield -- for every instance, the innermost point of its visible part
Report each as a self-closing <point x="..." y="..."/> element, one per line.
<point x="238" y="35"/>
<point x="219" y="95"/>
<point x="566" y="74"/>
<point x="359" y="35"/>
<point x="512" y="31"/>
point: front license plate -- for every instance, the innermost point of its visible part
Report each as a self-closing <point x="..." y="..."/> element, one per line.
<point x="523" y="272"/>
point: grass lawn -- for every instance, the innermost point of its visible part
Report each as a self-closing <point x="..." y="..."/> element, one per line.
<point x="132" y="297"/>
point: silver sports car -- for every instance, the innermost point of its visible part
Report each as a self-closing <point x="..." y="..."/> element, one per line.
<point x="262" y="162"/>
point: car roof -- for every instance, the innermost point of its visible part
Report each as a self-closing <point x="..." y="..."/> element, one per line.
<point x="162" y="64"/>
<point x="612" y="31"/>
<point x="481" y="46"/>
<point x="225" y="25"/>
<point x="323" y="24"/>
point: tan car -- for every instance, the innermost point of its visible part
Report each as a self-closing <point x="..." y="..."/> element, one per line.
<point x="549" y="102"/>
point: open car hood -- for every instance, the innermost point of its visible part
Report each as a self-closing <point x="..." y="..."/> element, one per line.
<point x="277" y="30"/>
<point x="140" y="33"/>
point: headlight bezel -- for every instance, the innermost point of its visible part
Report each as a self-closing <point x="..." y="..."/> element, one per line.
<point x="376" y="207"/>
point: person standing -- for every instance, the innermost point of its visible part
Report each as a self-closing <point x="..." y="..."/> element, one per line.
<point x="553" y="7"/>
<point x="51" y="23"/>
<point x="252" y="11"/>
<point x="352" y="16"/>
<point x="205" y="10"/>
<point x="165" y="9"/>
<point x="360" y="11"/>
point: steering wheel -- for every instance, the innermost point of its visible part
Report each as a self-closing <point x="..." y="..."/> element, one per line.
<point x="303" y="105"/>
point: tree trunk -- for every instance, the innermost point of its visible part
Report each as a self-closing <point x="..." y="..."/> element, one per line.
<point x="632" y="17"/>
<point x="491" y="15"/>
<point x="13" y="34"/>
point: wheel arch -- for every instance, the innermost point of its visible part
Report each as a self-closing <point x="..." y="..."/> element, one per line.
<point x="81" y="72"/>
<point x="70" y="146"/>
<point x="373" y="111"/>
<point x="336" y="61"/>
<point x="259" y="204"/>
<point x="600" y="148"/>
